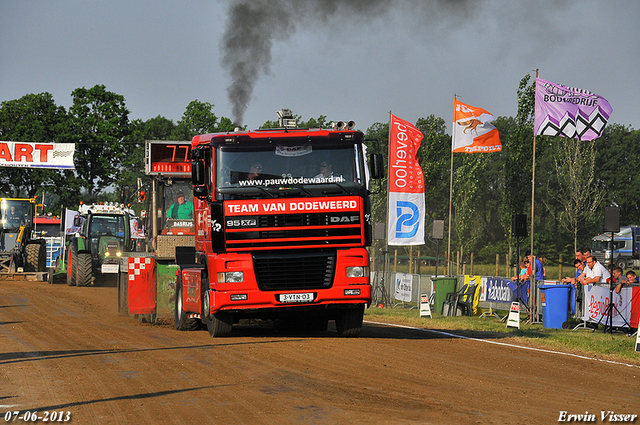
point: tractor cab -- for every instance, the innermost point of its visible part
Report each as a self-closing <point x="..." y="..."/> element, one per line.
<point x="20" y="251"/>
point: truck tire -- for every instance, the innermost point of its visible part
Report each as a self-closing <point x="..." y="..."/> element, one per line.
<point x="33" y="261"/>
<point x="349" y="321"/>
<point x="72" y="269"/>
<point x="620" y="262"/>
<point x="182" y="321"/>
<point x="84" y="269"/>
<point x="218" y="324"/>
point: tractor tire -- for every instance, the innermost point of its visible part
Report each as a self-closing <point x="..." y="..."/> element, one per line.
<point x="72" y="268"/>
<point x="182" y="321"/>
<point x="218" y="324"/>
<point x="36" y="257"/>
<point x="349" y="321"/>
<point x="84" y="269"/>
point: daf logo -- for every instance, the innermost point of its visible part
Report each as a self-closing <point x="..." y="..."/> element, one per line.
<point x="346" y="219"/>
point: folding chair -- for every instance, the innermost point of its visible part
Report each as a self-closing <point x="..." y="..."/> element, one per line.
<point x="463" y="298"/>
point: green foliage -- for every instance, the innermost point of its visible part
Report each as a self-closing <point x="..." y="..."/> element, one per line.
<point x="488" y="188"/>
<point x="99" y="125"/>
<point x="32" y="118"/>
<point x="199" y="118"/>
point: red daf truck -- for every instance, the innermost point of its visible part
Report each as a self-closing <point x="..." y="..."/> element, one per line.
<point x="282" y="219"/>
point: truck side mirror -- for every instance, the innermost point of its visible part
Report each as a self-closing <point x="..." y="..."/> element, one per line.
<point x="197" y="173"/>
<point x="376" y="165"/>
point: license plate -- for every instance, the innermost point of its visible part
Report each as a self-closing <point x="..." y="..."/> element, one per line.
<point x="306" y="297"/>
<point x="110" y="268"/>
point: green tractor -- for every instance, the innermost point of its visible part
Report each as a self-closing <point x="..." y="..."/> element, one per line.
<point x="93" y="254"/>
<point x="20" y="251"/>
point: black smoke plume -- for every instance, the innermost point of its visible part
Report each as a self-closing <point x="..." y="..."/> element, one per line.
<point x="253" y="26"/>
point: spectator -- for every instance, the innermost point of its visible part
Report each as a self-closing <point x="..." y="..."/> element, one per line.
<point x="618" y="279"/>
<point x="181" y="210"/>
<point x="580" y="256"/>
<point x="594" y="272"/>
<point x="524" y="265"/>
<point x="579" y="265"/>
<point x="631" y="277"/>
<point x="538" y="267"/>
<point x="543" y="261"/>
<point x="586" y="253"/>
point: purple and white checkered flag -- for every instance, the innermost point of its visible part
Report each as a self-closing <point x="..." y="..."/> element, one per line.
<point x="569" y="112"/>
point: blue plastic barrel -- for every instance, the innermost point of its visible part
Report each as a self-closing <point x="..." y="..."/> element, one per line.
<point x="555" y="305"/>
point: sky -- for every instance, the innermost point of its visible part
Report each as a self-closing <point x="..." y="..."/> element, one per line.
<point x="346" y="59"/>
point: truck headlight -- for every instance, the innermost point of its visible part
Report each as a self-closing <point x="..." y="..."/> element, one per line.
<point x="230" y="277"/>
<point x="357" y="271"/>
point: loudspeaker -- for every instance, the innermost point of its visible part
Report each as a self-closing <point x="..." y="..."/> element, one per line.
<point x="611" y="219"/>
<point x="519" y="225"/>
<point x="438" y="229"/>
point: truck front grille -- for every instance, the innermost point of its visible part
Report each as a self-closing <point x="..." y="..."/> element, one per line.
<point x="284" y="271"/>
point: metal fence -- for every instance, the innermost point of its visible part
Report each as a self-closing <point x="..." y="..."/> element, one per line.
<point x="400" y="289"/>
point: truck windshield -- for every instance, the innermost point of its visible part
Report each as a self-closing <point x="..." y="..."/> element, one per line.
<point x="15" y="213"/>
<point x="274" y="169"/>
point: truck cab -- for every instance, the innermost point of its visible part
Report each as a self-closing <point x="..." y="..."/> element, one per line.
<point x="282" y="219"/>
<point x="626" y="247"/>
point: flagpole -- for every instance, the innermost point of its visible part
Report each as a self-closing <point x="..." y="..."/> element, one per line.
<point x="533" y="291"/>
<point x="386" y="249"/>
<point x="451" y="189"/>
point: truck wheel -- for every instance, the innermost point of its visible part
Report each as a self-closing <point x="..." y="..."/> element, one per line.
<point x="84" y="269"/>
<point x="349" y="321"/>
<point x="182" y="320"/>
<point x="218" y="324"/>
<point x="72" y="269"/>
<point x="36" y="257"/>
<point x="620" y="262"/>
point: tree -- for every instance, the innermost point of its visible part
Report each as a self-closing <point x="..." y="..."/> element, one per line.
<point x="617" y="153"/>
<point x="578" y="195"/>
<point x="32" y="118"/>
<point x="158" y="128"/>
<point x="517" y="148"/>
<point x="99" y="125"/>
<point x="199" y="118"/>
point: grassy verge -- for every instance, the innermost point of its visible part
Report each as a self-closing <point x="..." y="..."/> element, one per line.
<point x="617" y="346"/>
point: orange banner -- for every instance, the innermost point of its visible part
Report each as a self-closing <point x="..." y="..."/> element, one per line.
<point x="472" y="131"/>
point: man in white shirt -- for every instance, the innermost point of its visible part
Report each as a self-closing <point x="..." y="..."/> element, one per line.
<point x="594" y="272"/>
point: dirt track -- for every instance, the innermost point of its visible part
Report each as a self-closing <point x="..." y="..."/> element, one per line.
<point x="67" y="349"/>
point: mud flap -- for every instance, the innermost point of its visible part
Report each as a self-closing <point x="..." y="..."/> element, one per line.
<point x="191" y="292"/>
<point x="142" y="291"/>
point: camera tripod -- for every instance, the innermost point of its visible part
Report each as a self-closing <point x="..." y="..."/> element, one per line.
<point x="608" y="313"/>
<point x="380" y="295"/>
